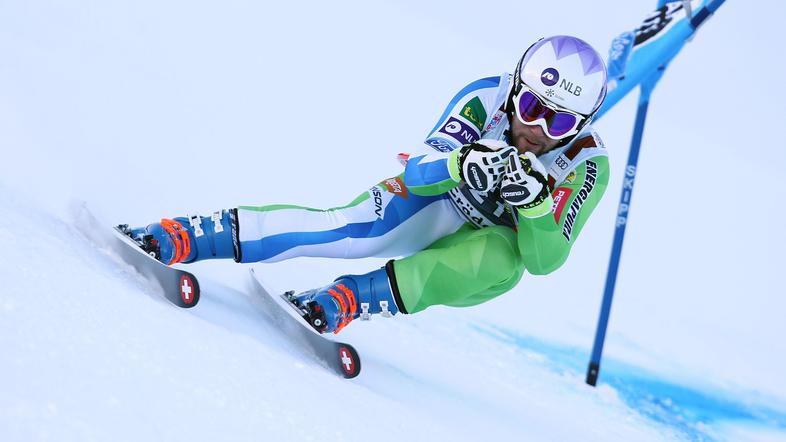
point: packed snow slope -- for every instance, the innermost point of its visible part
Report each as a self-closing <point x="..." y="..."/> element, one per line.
<point x="91" y="352"/>
<point x="147" y="109"/>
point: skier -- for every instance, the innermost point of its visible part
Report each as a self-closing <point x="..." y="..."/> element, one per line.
<point x="504" y="183"/>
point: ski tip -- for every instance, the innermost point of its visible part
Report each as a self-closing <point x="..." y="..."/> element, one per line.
<point x="348" y="360"/>
<point x="188" y="287"/>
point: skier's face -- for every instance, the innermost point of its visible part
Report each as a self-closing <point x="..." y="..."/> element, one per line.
<point x="530" y="138"/>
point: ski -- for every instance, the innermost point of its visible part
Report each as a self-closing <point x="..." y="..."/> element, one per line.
<point x="179" y="287"/>
<point x="339" y="357"/>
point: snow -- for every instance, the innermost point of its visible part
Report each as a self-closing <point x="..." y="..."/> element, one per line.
<point x="147" y="109"/>
<point x="93" y="354"/>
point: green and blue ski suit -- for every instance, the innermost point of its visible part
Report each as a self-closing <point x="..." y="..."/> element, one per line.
<point x="460" y="247"/>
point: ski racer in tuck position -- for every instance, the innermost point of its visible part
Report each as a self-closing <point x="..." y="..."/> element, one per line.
<point x="504" y="183"/>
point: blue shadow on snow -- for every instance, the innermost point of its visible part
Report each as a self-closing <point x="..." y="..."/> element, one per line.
<point x="686" y="409"/>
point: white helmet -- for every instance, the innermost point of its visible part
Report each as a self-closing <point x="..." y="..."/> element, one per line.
<point x="566" y="71"/>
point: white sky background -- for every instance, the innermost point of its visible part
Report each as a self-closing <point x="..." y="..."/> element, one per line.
<point x="148" y="109"/>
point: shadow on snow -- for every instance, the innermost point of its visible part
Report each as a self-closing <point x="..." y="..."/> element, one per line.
<point x="690" y="410"/>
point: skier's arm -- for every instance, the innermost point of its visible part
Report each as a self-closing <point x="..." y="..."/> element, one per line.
<point x="481" y="165"/>
<point x="432" y="174"/>
<point x="437" y="171"/>
<point x="545" y="241"/>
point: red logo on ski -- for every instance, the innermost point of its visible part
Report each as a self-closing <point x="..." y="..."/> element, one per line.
<point x="187" y="290"/>
<point x="347" y="358"/>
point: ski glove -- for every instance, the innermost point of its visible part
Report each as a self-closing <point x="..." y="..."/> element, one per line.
<point x="482" y="164"/>
<point x="524" y="186"/>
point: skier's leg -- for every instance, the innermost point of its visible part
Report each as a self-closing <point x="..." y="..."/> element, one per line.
<point x="465" y="268"/>
<point x="385" y="221"/>
<point x="381" y="222"/>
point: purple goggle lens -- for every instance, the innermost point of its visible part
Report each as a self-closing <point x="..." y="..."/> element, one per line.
<point x="559" y="124"/>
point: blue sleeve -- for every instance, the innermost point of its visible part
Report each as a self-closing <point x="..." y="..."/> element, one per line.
<point x="461" y="123"/>
<point x="433" y="173"/>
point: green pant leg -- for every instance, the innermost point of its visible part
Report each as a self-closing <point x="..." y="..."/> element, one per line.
<point x="465" y="268"/>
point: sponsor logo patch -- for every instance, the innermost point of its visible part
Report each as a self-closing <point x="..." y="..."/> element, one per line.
<point x="235" y="234"/>
<point x="459" y="131"/>
<point x="495" y="120"/>
<point x="581" y="197"/>
<point x="468" y="210"/>
<point x="562" y="162"/>
<point x="474" y="112"/>
<point x="549" y="77"/>
<point x="376" y="196"/>
<point x="477" y="179"/>
<point x="440" y="144"/>
<point x="396" y="186"/>
<point x="516" y="194"/>
<point x="561" y="197"/>
<point x="570" y="87"/>
<point x="598" y="141"/>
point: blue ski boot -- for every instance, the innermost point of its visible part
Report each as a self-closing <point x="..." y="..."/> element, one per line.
<point x="190" y="239"/>
<point x="331" y="308"/>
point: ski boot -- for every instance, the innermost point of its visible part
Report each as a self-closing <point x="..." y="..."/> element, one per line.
<point x="333" y="307"/>
<point x="189" y="239"/>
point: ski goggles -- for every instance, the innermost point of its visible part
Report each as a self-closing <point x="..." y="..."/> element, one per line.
<point x="557" y="123"/>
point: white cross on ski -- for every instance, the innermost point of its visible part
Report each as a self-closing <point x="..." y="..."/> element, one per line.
<point x="346" y="360"/>
<point x="186" y="290"/>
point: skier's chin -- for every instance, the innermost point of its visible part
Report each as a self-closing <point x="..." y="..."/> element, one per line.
<point x="534" y="149"/>
<point x="537" y="146"/>
<point x="525" y="145"/>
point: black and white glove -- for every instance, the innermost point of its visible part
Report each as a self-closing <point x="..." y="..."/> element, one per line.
<point x="482" y="164"/>
<point x="524" y="186"/>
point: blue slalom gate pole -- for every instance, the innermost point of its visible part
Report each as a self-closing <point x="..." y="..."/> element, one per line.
<point x="643" y="67"/>
<point x="622" y="220"/>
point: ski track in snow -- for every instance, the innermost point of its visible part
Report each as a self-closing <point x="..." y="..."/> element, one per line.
<point x="90" y="352"/>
